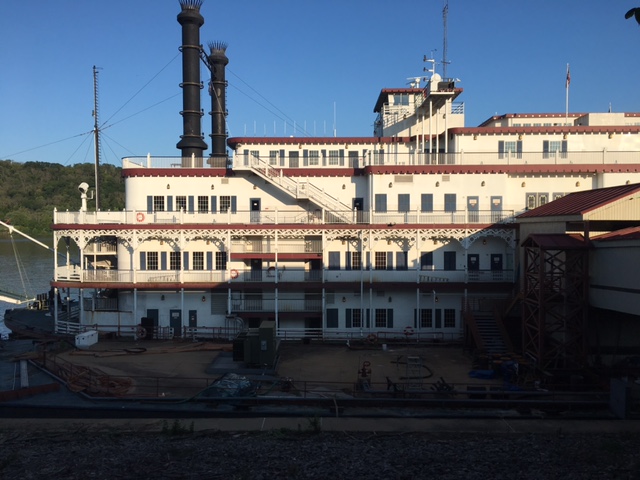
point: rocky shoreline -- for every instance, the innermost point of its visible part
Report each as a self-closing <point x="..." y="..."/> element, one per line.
<point x="177" y="451"/>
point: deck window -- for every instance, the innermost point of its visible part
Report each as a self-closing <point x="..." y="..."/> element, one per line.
<point x="314" y="158"/>
<point x="181" y="203"/>
<point x="158" y="203"/>
<point x="380" y="261"/>
<point x="174" y="261"/>
<point x="426" y="318"/>
<point x="383" y="318"/>
<point x="449" y="318"/>
<point x="203" y="204"/>
<point x="221" y="260"/>
<point x="198" y="260"/>
<point x="152" y="260"/>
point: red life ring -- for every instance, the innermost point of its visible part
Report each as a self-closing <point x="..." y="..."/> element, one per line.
<point x="140" y="217"/>
<point x="372" y="338"/>
<point x="408" y="331"/>
<point x="234" y="273"/>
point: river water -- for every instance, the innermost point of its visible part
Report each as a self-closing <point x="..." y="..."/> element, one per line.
<point x="31" y="272"/>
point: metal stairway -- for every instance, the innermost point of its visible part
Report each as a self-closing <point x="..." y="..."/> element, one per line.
<point x="340" y="213"/>
<point x="490" y="334"/>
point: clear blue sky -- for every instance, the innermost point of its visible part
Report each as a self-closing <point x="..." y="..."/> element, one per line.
<point x="298" y="58"/>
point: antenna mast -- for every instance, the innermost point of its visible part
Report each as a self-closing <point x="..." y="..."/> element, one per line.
<point x="96" y="135"/>
<point x="445" y="12"/>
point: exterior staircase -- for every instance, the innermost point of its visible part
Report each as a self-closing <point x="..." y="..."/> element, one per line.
<point x="490" y="334"/>
<point x="338" y="211"/>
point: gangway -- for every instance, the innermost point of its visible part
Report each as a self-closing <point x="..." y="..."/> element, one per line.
<point x="13" y="298"/>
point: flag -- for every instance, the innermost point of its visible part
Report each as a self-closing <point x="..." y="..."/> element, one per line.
<point x="568" y="77"/>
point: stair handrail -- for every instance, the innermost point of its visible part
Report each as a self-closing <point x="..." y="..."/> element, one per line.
<point x="301" y="189"/>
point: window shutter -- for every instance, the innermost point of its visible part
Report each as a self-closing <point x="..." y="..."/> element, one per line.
<point x="415" y="318"/>
<point x="234" y="204"/>
<point x="342" y="158"/>
<point x="246" y="157"/>
<point x="214" y="204"/>
<point x="347" y="260"/>
<point x="282" y="158"/>
<point x="564" y="146"/>
<point x="389" y="260"/>
<point x="545" y="146"/>
<point x="390" y="318"/>
<point x="149" y="204"/>
<point x="209" y="260"/>
<point x="143" y="260"/>
<point x="305" y="158"/>
<point x="191" y="207"/>
<point x="163" y="260"/>
<point x="368" y="315"/>
<point x="348" y="318"/>
<point x="324" y="157"/>
<point x="170" y="203"/>
<point x="185" y="261"/>
<point x="519" y="148"/>
<point x="368" y="265"/>
<point x="501" y="149"/>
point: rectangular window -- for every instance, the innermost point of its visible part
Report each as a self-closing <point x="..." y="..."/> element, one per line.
<point x="449" y="318"/>
<point x="381" y="202"/>
<point x="426" y="318"/>
<point x="174" y="261"/>
<point x="197" y="260"/>
<point x="273" y="157"/>
<point x="404" y="201"/>
<point x="181" y="203"/>
<point x="158" y="203"/>
<point x="203" y="204"/>
<point x="426" y="260"/>
<point x="334" y="260"/>
<point x="401" y="260"/>
<point x="314" y="157"/>
<point x="426" y="202"/>
<point x="334" y="157"/>
<point x="356" y="260"/>
<point x="449" y="260"/>
<point x="225" y="203"/>
<point x="354" y="318"/>
<point x="152" y="260"/>
<point x="332" y="318"/>
<point x="221" y="260"/>
<point x="381" y="318"/>
<point x="380" y="260"/>
<point x="449" y="202"/>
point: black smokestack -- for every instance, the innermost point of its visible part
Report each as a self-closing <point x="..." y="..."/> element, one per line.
<point x="191" y="143"/>
<point x="218" y="91"/>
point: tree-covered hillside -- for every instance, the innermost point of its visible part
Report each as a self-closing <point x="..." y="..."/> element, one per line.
<point x="30" y="191"/>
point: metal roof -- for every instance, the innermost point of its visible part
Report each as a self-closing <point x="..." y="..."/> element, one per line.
<point x="631" y="233"/>
<point x="580" y="203"/>
<point x="556" y="241"/>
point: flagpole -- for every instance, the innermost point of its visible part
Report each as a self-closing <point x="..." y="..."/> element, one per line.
<point x="566" y="110"/>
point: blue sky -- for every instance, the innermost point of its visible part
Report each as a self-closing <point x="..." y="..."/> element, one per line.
<point x="301" y="59"/>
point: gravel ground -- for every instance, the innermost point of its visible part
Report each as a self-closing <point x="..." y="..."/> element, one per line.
<point x="178" y="452"/>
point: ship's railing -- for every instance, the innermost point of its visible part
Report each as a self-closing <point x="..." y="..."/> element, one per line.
<point x="276" y="216"/>
<point x="378" y="157"/>
<point x="283" y="246"/>
<point x="282" y="275"/>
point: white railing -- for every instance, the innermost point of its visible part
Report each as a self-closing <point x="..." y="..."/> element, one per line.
<point x="282" y="217"/>
<point x="596" y="157"/>
<point x="285" y="275"/>
<point x="283" y="246"/>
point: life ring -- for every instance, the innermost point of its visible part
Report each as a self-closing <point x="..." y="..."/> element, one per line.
<point x="140" y="217"/>
<point x="408" y="331"/>
<point x="141" y="332"/>
<point x="372" y="338"/>
<point x="234" y="273"/>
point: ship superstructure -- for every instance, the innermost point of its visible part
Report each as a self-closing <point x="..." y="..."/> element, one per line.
<point x="406" y="233"/>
